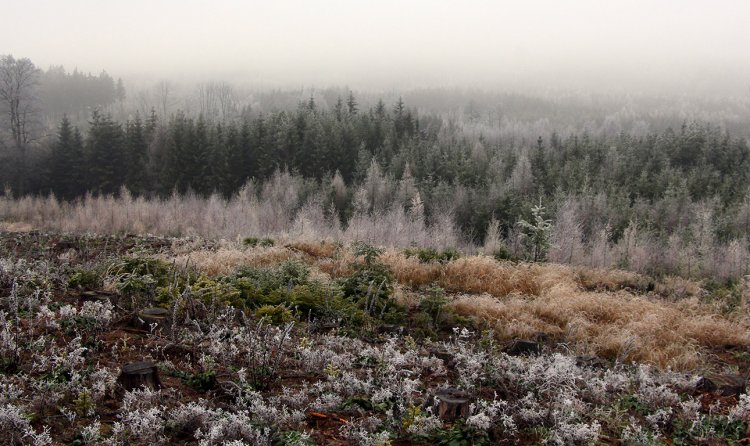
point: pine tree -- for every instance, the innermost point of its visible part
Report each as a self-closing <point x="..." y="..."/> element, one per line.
<point x="537" y="233"/>
<point x="338" y="109"/>
<point x="351" y="104"/>
<point x="106" y="155"/>
<point x="235" y="159"/>
<point x="137" y="150"/>
<point x="66" y="160"/>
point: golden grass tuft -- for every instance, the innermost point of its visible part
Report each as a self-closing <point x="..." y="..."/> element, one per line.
<point x="615" y="325"/>
<point x="410" y="271"/>
<point x="336" y="267"/>
<point x="479" y="274"/>
<point x="317" y="250"/>
<point x="13" y="226"/>
<point x="678" y="288"/>
<point x="225" y="261"/>
<point x="610" y="279"/>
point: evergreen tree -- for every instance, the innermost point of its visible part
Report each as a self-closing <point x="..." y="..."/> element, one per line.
<point x="351" y="104"/>
<point x="66" y="160"/>
<point x="537" y="233"/>
<point x="107" y="161"/>
<point x="137" y="150"/>
<point x="338" y="109"/>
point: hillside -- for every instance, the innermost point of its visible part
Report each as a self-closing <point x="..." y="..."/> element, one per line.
<point x="297" y="343"/>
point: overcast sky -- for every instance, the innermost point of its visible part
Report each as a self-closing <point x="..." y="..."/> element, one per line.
<point x="612" y="44"/>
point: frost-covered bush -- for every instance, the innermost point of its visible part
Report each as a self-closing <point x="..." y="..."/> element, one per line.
<point x="140" y="420"/>
<point x="16" y="429"/>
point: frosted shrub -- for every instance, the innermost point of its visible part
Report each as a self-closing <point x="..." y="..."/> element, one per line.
<point x="660" y="419"/>
<point x="92" y="433"/>
<point x="101" y="312"/>
<point x="225" y="427"/>
<point x="486" y="413"/>
<point x="47" y="318"/>
<point x="8" y="341"/>
<point x="326" y="402"/>
<point x="9" y="393"/>
<point x="364" y="432"/>
<point x="568" y="433"/>
<point x="690" y="409"/>
<point x="16" y="429"/>
<point x="140" y="420"/>
<point x="314" y="358"/>
<point x="530" y="410"/>
<point x="102" y="382"/>
<point x="469" y="360"/>
<point x="634" y="434"/>
<point x="71" y="357"/>
<point x="655" y="390"/>
<point x="144" y="426"/>
<point x="422" y="424"/>
<point x="741" y="411"/>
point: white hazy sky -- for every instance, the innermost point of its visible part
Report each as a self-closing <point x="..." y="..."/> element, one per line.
<point x="687" y="44"/>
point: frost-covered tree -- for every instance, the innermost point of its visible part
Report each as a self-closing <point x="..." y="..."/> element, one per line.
<point x="537" y="233"/>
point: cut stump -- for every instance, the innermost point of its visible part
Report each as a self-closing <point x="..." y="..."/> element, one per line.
<point x="724" y="385"/>
<point x="521" y="347"/>
<point x="453" y="404"/>
<point x="139" y="374"/>
<point x="148" y="316"/>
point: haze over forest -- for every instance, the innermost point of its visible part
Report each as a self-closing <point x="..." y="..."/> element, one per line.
<point x="616" y="121"/>
<point x="686" y="47"/>
<point x="374" y="223"/>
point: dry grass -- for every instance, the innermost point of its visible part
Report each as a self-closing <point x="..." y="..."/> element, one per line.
<point x="679" y="288"/>
<point x="317" y="250"/>
<point x="10" y="226"/>
<point x="594" y="311"/>
<point x="479" y="274"/>
<point x="610" y="279"/>
<point x="617" y="325"/>
<point x="225" y="261"/>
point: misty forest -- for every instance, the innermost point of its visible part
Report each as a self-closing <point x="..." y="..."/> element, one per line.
<point x="351" y="259"/>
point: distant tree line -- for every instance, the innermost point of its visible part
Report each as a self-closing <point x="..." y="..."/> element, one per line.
<point x="76" y="93"/>
<point x="669" y="189"/>
<point x="476" y="179"/>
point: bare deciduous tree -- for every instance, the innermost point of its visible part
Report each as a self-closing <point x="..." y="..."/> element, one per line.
<point x="164" y="90"/>
<point x="217" y="100"/>
<point x="18" y="82"/>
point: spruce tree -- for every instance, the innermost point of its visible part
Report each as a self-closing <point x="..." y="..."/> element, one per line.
<point x="66" y="160"/>
<point x="137" y="153"/>
<point x="107" y="163"/>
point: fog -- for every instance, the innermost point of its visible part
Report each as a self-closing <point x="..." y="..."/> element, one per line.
<point x="632" y="46"/>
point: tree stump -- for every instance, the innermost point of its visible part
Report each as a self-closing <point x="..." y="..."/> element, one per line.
<point x="139" y="374"/>
<point x="523" y="347"/>
<point x="148" y="316"/>
<point x="453" y="405"/>
<point x="390" y="329"/>
<point x="724" y="385"/>
<point x="446" y="356"/>
<point x="590" y="361"/>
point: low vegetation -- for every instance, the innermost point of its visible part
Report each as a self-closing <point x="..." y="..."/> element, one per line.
<point x="321" y="343"/>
